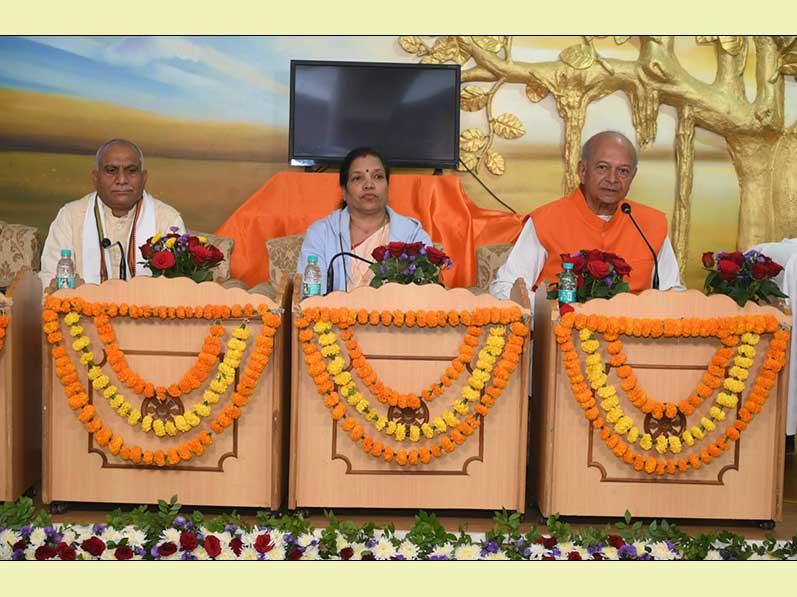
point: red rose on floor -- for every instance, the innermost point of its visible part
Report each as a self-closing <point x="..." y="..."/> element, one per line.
<point x="379" y="253"/>
<point x="727" y="269"/>
<point x="708" y="259"/>
<point x="599" y="269"/>
<point x="413" y="248"/>
<point x="123" y="552"/>
<point x="574" y="555"/>
<point x="167" y="549"/>
<point x="236" y="545"/>
<point x="45" y="552"/>
<point x="146" y="250"/>
<point x="65" y="552"/>
<point x="163" y="260"/>
<point x="212" y="546"/>
<point x="263" y="543"/>
<point x="616" y="541"/>
<point x="95" y="546"/>
<point x="549" y="542"/>
<point x="346" y="553"/>
<point x="188" y="541"/>
<point x="396" y="248"/>
<point x="435" y="255"/>
<point x="368" y="557"/>
<point x="295" y="553"/>
<point x="597" y="556"/>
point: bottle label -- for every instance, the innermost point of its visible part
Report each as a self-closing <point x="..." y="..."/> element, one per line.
<point x="65" y="282"/>
<point x="311" y="289"/>
<point x="567" y="296"/>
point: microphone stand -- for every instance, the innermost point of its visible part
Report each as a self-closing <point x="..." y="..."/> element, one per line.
<point x="331" y="270"/>
<point x="626" y="209"/>
<point x="106" y="243"/>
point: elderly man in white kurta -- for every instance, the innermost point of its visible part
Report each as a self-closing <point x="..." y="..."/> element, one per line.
<point x="118" y="211"/>
<point x="785" y="253"/>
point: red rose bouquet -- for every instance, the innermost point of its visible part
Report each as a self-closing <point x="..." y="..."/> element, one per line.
<point x="177" y="255"/>
<point x="408" y="263"/>
<point x="742" y="276"/>
<point x="598" y="274"/>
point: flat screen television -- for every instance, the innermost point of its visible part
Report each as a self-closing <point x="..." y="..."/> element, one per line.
<point x="408" y="112"/>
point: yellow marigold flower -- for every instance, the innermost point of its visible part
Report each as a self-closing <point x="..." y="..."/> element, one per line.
<point x="590" y="346"/>
<point x="335" y="366"/>
<point x="401" y="432"/>
<point x="439" y="424"/>
<point x="94" y="373"/>
<point x="86" y="358"/>
<point x="450" y="419"/>
<point x="610" y="403"/>
<point x="203" y="410"/>
<point x="739" y="373"/>
<point x="159" y="428"/>
<point x="675" y="444"/>
<point x="192" y="419"/>
<point x="210" y="396"/>
<point x="484" y="365"/>
<point x="593" y="370"/>
<point x="217" y="386"/>
<point x="750" y="338"/>
<point x="584" y="334"/>
<point x="391" y="427"/>
<point x="240" y="333"/>
<point x="380" y="423"/>
<point x="169" y="243"/>
<point x="146" y="423"/>
<point x="607" y="391"/>
<point x="343" y="378"/>
<point x="322" y="327"/>
<point x="461" y="408"/>
<point x="234" y="363"/>
<point x="733" y="385"/>
<point x="76" y="330"/>
<point x="116" y="402"/>
<point x="331" y="350"/>
<point x="623" y="425"/>
<point x="125" y="409"/>
<point x="181" y="423"/>
<point x="361" y="406"/>
<point x="697" y="432"/>
<point x="327" y="339"/>
<point x="170" y="428"/>
<point x="717" y="413"/>
<point x="497" y="330"/>
<point x="598" y="381"/>
<point x="233" y="354"/>
<point x="743" y="362"/>
<point x="134" y="417"/>
<point x="427" y="431"/>
<point x="690" y="441"/>
<point x="476" y="383"/>
<point x="236" y="344"/>
<point x="353" y="399"/>
<point x="614" y="414"/>
<point x="415" y="433"/>
<point x="661" y="444"/>
<point x="746" y="351"/>
<point x="109" y="392"/>
<point x="633" y="435"/>
<point x="101" y="382"/>
<point x="227" y="371"/>
<point x="593" y="359"/>
<point x="646" y="442"/>
<point x="71" y="318"/>
<point x="727" y="400"/>
<point x="707" y="424"/>
<point x="372" y="415"/>
<point x="494" y="351"/>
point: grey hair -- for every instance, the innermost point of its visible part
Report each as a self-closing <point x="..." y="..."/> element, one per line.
<point x="104" y="147"/>
<point x="587" y="147"/>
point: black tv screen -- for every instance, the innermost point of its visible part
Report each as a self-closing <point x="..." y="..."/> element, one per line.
<point x="409" y="112"/>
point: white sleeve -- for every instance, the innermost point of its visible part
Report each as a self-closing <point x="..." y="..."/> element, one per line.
<point x="59" y="237"/>
<point x="669" y="274"/>
<point x="179" y="224"/>
<point x="526" y="260"/>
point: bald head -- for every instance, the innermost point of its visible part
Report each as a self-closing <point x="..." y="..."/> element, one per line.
<point x="608" y="137"/>
<point x="606" y="170"/>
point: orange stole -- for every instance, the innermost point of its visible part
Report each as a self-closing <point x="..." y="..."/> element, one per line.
<point x="568" y="225"/>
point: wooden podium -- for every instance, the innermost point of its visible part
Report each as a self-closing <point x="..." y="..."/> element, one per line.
<point x="20" y="386"/>
<point x="329" y="464"/>
<point x="577" y="474"/>
<point x="243" y="466"/>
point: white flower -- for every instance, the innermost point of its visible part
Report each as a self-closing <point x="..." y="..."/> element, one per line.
<point x="248" y="553"/>
<point x="68" y="536"/>
<point x="384" y="550"/>
<point x="585" y="555"/>
<point x="200" y="553"/>
<point x="108" y="554"/>
<point x="305" y="539"/>
<point x="111" y="535"/>
<point x="172" y="535"/>
<point x="134" y="536"/>
<point x="713" y="554"/>
<point x="640" y="547"/>
<point x="83" y="532"/>
<point x="248" y="539"/>
<point x="340" y="542"/>
<point x="30" y="552"/>
<point x="311" y="553"/>
<point x="499" y="555"/>
<point x="446" y="551"/>
<point x="228" y="554"/>
<point x="38" y="537"/>
<point x="661" y="551"/>
<point x="9" y="538"/>
<point x="5" y="552"/>
<point x="609" y="552"/>
<point x="409" y="550"/>
<point x="565" y="547"/>
<point x="358" y="548"/>
<point x="278" y="554"/>
<point x="536" y="551"/>
<point x="467" y="552"/>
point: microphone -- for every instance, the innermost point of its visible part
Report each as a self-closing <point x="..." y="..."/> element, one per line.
<point x="626" y="208"/>
<point x="106" y="243"/>
<point x="331" y="271"/>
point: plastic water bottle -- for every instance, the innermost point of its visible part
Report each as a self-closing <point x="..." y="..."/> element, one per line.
<point x="567" y="284"/>
<point x="65" y="270"/>
<point x="311" y="281"/>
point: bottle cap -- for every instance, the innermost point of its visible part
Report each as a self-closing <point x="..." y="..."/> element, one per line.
<point x="312" y="259"/>
<point x="567" y="266"/>
<point x="66" y="252"/>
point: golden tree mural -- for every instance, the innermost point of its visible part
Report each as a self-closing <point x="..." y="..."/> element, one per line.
<point x="763" y="149"/>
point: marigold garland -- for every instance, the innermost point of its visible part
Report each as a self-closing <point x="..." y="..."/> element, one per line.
<point x="4" y="321"/>
<point x="324" y="376"/>
<point x="78" y="399"/>
<point x="740" y="331"/>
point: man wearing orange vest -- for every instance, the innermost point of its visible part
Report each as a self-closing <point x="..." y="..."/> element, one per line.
<point x="589" y="218"/>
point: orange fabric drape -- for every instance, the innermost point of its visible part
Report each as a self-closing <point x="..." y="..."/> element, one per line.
<point x="290" y="201"/>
